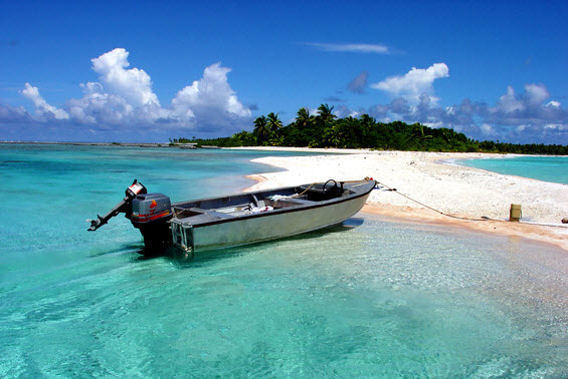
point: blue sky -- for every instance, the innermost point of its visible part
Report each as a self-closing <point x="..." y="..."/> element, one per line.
<point x="146" y="71"/>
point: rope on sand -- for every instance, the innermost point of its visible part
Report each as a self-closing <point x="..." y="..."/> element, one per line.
<point x="483" y="218"/>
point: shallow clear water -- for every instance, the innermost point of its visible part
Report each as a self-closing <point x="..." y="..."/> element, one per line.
<point x="369" y="297"/>
<point x="549" y="169"/>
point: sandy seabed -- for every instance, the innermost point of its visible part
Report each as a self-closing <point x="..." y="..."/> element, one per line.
<point x="435" y="180"/>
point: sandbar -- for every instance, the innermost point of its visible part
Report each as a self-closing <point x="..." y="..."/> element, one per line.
<point x="435" y="181"/>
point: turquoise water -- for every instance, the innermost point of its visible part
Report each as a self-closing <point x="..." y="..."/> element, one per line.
<point x="367" y="298"/>
<point x="549" y="169"/>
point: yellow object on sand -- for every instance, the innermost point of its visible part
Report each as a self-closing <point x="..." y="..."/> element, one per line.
<point x="515" y="213"/>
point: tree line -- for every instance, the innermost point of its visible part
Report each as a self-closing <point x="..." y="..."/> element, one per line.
<point x="327" y="130"/>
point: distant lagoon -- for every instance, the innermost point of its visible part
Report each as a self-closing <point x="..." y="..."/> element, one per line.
<point x="549" y="169"/>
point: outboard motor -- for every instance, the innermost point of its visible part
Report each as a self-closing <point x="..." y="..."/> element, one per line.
<point x="125" y="206"/>
<point x="151" y="213"/>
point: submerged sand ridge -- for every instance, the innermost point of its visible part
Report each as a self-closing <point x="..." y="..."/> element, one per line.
<point x="432" y="179"/>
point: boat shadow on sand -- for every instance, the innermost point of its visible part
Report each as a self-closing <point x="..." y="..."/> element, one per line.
<point x="182" y="261"/>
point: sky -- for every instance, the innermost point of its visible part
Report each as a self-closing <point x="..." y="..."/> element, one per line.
<point x="147" y="71"/>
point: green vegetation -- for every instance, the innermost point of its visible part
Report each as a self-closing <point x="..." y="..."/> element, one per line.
<point x="326" y="130"/>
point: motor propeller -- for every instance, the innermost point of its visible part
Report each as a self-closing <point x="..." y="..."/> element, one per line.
<point x="125" y="206"/>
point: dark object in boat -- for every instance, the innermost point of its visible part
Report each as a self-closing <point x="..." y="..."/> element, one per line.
<point x="239" y="219"/>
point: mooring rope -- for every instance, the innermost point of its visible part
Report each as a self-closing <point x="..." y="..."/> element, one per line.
<point x="391" y="189"/>
<point x="483" y="218"/>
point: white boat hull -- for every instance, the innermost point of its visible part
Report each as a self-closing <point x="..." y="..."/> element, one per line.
<point x="271" y="226"/>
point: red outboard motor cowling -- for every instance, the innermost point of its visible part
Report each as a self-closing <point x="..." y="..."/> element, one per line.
<point x="151" y="213"/>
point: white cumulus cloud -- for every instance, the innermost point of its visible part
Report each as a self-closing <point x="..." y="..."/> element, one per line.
<point x="210" y="98"/>
<point x="98" y="106"/>
<point x="43" y="109"/>
<point x="553" y="103"/>
<point x="515" y="117"/>
<point x="531" y="100"/>
<point x="536" y="93"/>
<point x="123" y="96"/>
<point x="414" y="83"/>
<point x="509" y="102"/>
<point x="134" y="85"/>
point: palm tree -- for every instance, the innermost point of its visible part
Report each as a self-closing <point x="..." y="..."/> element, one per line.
<point x="325" y="113"/>
<point x="303" y="118"/>
<point x="273" y="122"/>
<point x="261" y="129"/>
<point x="367" y="120"/>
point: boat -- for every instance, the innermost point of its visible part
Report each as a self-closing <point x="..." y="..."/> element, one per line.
<point x="240" y="219"/>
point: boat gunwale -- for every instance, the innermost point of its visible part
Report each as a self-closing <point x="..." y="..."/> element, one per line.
<point x="296" y="208"/>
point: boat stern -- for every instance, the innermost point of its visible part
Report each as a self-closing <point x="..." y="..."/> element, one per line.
<point x="151" y="214"/>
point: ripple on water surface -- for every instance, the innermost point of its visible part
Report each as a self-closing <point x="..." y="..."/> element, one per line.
<point x="370" y="298"/>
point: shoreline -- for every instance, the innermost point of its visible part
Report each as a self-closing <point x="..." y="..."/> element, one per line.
<point x="513" y="230"/>
<point x="447" y="187"/>
<point x="118" y="144"/>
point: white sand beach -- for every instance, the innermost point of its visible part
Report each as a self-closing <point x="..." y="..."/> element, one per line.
<point x="432" y="179"/>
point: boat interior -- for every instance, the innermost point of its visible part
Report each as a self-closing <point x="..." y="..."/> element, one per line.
<point x="208" y="210"/>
